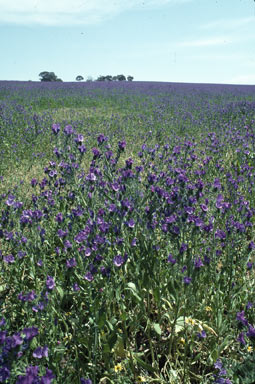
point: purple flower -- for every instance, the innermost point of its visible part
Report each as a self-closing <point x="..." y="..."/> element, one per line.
<point x="118" y="260"/>
<point x="3" y="335"/>
<point x="240" y="316"/>
<point x="88" y="276"/>
<point x="59" y="217"/>
<point x="91" y="177"/>
<point x="122" y="145"/>
<point x="41" y="352"/>
<point x="21" y="254"/>
<point x="4" y="374"/>
<point x="201" y="335"/>
<point x="96" y="153"/>
<point x="30" y="296"/>
<point x="249" y="265"/>
<point x="68" y="245"/>
<point x="131" y="223"/>
<point x="183" y="247"/>
<point x="68" y="130"/>
<point x="187" y="280"/>
<point x="76" y="287"/>
<point x="241" y="338"/>
<point x="30" y="377"/>
<point x="10" y="201"/>
<point x="204" y="207"/>
<point x="9" y="259"/>
<point x="217" y="184"/>
<point x="62" y="233"/>
<point x="86" y="381"/>
<point x="82" y="148"/>
<point x="134" y="242"/>
<point x="48" y="377"/>
<point x="251" y="332"/>
<point x="220" y="234"/>
<point x="33" y="182"/>
<point x="55" y="128"/>
<point x="81" y="236"/>
<point x="198" y="263"/>
<point x="87" y="252"/>
<point x="79" y="139"/>
<point x="70" y="263"/>
<point x="50" y="284"/>
<point x="30" y="333"/>
<point x="108" y="154"/>
<point x="101" y="138"/>
<point x="16" y="340"/>
<point x="129" y="162"/>
<point x="170" y="259"/>
<point x="218" y="365"/>
<point x="40" y="263"/>
<point x="2" y="321"/>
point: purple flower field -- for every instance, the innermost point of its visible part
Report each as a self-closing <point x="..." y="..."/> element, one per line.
<point x="127" y="238"/>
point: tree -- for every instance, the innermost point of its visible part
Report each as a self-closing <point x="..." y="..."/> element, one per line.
<point x="121" y="78"/>
<point x="130" y="78"/>
<point x="48" y="76"/>
<point x="101" y="78"/>
<point x="79" y="78"/>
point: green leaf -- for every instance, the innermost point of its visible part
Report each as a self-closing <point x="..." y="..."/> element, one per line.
<point x="102" y="319"/>
<point x="60" y="291"/>
<point x="110" y="326"/>
<point x="225" y="344"/>
<point x="2" y="288"/>
<point x="157" y="328"/>
<point x="179" y="326"/>
<point x="112" y="340"/>
<point x="132" y="287"/>
<point x="142" y="363"/>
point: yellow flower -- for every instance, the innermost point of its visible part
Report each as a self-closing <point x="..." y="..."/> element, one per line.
<point x="208" y="308"/>
<point x="118" y="367"/>
<point x="249" y="349"/>
<point x="141" y="379"/>
<point x="182" y="340"/>
<point x="190" y="321"/>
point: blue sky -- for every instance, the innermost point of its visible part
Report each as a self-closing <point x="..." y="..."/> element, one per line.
<point x="200" y="41"/>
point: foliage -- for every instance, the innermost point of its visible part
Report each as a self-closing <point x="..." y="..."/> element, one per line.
<point x="48" y="76"/>
<point x="114" y="78"/>
<point x="79" y="78"/>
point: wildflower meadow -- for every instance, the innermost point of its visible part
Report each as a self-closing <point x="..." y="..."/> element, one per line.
<point x="127" y="233"/>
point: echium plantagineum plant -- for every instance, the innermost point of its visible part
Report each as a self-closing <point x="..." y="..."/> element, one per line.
<point x="123" y="266"/>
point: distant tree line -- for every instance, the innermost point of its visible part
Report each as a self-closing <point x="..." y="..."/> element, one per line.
<point x="115" y="78"/>
<point x="107" y="78"/>
<point x="50" y="76"/>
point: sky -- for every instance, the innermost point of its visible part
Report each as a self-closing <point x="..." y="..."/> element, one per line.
<point x="195" y="41"/>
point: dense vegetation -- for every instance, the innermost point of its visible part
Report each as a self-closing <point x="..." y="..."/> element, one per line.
<point x="127" y="242"/>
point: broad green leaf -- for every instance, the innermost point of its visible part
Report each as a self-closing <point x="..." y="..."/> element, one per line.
<point x="157" y="328"/>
